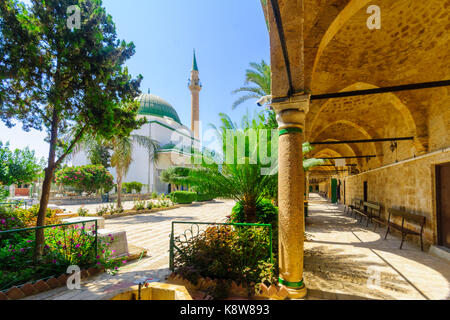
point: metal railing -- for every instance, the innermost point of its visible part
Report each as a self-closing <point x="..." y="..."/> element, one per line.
<point x="66" y="244"/>
<point x="179" y="243"/>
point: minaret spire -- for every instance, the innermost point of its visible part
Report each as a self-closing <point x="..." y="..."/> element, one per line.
<point x="194" y="64"/>
<point x="195" y="87"/>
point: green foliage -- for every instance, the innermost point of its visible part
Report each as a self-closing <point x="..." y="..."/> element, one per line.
<point x="154" y="195"/>
<point x="100" y="155"/>
<point x="183" y="197"/>
<point x="175" y="175"/>
<point x="89" y="179"/>
<point x="266" y="213"/>
<point x="225" y="253"/>
<point x="140" y="205"/>
<point x="82" y="212"/>
<point x="202" y="197"/>
<point x="21" y="217"/>
<point x="130" y="186"/>
<point x="101" y="211"/>
<point x="64" y="246"/>
<point x="259" y="76"/>
<point x="18" y="166"/>
<point x="70" y="83"/>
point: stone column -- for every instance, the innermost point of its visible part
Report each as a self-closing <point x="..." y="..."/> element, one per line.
<point x="291" y="187"/>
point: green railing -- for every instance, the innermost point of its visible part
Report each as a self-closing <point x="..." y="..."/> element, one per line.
<point x="179" y="243"/>
<point x="65" y="244"/>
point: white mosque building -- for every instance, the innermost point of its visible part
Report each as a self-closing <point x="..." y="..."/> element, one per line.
<point x="164" y="126"/>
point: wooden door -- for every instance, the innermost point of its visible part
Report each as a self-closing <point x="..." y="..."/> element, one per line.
<point x="443" y="204"/>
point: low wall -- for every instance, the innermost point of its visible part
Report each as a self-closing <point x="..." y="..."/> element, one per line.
<point x="67" y="201"/>
<point x="409" y="184"/>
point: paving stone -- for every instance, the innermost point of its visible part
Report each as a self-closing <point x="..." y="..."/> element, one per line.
<point x="41" y="286"/>
<point x="28" y="289"/>
<point x="15" y="293"/>
<point x="53" y="283"/>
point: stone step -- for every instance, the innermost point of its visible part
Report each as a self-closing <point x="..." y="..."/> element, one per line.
<point x="440" y="252"/>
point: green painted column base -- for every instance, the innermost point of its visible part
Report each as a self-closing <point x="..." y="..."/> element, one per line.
<point x="293" y="285"/>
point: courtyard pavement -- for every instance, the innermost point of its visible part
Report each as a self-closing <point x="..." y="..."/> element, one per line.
<point x="343" y="258"/>
<point x="150" y="231"/>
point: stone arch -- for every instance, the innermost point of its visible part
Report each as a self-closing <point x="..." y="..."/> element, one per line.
<point x="349" y="11"/>
<point x="393" y="98"/>
<point x="366" y="133"/>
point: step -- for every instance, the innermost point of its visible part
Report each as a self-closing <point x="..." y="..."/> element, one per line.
<point x="440" y="252"/>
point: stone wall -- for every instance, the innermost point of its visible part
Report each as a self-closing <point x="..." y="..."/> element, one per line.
<point x="409" y="184"/>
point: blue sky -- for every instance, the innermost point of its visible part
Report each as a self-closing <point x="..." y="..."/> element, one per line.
<point x="227" y="35"/>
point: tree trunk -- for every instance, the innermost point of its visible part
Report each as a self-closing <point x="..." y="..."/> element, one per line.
<point x="250" y="213"/>
<point x="119" y="190"/>
<point x="46" y="186"/>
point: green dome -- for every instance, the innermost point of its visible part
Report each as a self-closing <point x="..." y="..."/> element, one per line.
<point x="152" y="105"/>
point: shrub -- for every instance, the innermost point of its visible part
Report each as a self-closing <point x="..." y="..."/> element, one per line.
<point x="130" y="186"/>
<point x="154" y="195"/>
<point x="266" y="213"/>
<point x="226" y="253"/>
<point x="139" y="205"/>
<point x="101" y="211"/>
<point x="64" y="246"/>
<point x="183" y="197"/>
<point x="201" y="197"/>
<point x="89" y="179"/>
<point x="149" y="205"/>
<point x="28" y="217"/>
<point x="82" y="212"/>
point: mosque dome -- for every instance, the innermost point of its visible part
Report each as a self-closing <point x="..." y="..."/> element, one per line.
<point x="151" y="105"/>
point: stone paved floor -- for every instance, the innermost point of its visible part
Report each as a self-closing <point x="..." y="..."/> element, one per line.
<point x="345" y="259"/>
<point x="150" y="231"/>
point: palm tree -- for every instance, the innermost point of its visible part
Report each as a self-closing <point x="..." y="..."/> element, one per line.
<point x="258" y="83"/>
<point x="122" y="148"/>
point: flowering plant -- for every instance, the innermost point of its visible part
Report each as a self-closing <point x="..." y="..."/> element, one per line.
<point x="90" y="179"/>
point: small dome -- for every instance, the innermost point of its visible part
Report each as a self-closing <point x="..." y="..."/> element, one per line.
<point x="152" y="105"/>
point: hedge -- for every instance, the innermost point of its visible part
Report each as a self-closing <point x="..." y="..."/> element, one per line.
<point x="201" y="197"/>
<point x="183" y="197"/>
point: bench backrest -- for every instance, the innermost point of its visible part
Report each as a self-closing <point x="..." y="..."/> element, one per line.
<point x="373" y="205"/>
<point x="408" y="216"/>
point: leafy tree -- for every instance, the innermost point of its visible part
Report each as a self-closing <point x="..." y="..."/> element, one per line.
<point x="100" y="155"/>
<point x="258" y="81"/>
<point x="62" y="80"/>
<point x="18" y="166"/>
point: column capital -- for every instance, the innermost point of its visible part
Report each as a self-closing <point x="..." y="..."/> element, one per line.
<point x="291" y="113"/>
<point x="296" y="102"/>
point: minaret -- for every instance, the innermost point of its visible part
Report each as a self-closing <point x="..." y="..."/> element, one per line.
<point x="195" y="86"/>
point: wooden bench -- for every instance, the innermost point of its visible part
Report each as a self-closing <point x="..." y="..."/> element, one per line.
<point x="409" y="217"/>
<point x="356" y="204"/>
<point x="370" y="210"/>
